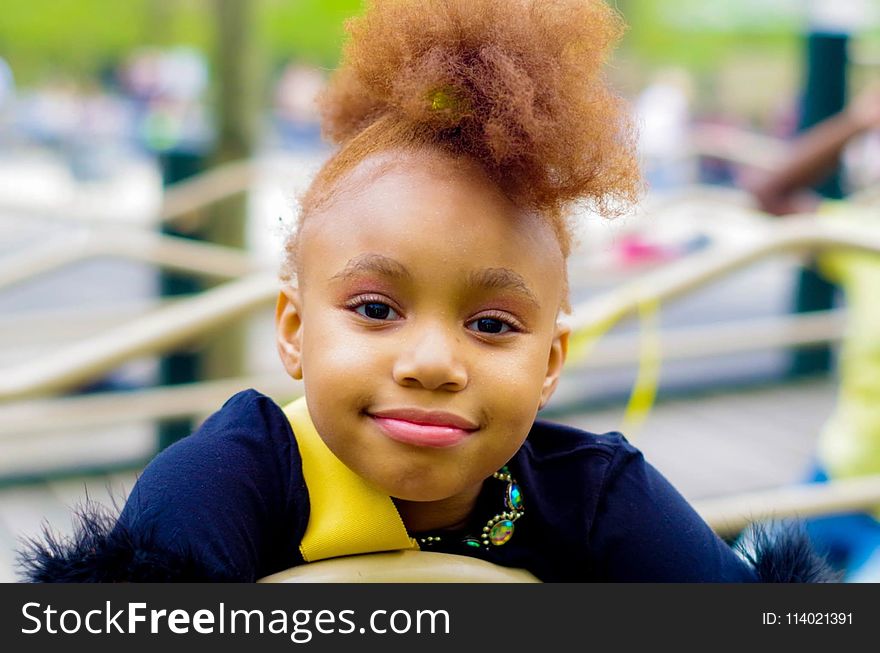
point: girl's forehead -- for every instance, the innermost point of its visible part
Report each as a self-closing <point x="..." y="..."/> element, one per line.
<point x="424" y="189"/>
<point x="434" y="207"/>
<point x="412" y="167"/>
<point x="432" y="220"/>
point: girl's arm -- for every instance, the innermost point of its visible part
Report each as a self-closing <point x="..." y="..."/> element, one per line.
<point x="814" y="155"/>
<point x="226" y="503"/>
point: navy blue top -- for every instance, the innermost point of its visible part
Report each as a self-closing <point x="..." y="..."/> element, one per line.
<point x="232" y="495"/>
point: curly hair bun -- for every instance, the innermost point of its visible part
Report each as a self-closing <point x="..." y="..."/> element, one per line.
<point x="515" y="84"/>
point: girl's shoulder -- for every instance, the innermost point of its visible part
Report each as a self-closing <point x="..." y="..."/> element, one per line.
<point x="247" y="411"/>
<point x="223" y="503"/>
<point x="566" y="461"/>
<point x="549" y="441"/>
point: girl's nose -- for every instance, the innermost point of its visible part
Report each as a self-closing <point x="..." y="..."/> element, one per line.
<point x="431" y="361"/>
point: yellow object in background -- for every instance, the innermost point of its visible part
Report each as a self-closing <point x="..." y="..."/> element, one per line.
<point x="644" y="392"/>
<point x="849" y="445"/>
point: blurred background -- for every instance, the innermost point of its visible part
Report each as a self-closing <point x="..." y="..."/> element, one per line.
<point x="151" y="153"/>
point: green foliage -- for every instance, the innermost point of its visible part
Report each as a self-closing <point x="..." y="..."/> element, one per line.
<point x="312" y="30"/>
<point x="40" y="38"/>
<point x="686" y="33"/>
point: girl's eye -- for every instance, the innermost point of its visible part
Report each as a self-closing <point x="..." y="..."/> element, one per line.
<point x="377" y="311"/>
<point x="489" y="325"/>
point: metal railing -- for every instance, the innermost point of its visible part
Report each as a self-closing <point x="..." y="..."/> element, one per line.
<point x="729" y="515"/>
<point x="804" y="235"/>
<point x="168" y="252"/>
<point x="156" y="332"/>
<point x="179" y="200"/>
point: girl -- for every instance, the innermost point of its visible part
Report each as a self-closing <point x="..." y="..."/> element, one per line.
<point x="419" y="305"/>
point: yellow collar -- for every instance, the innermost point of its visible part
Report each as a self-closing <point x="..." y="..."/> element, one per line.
<point x="347" y="516"/>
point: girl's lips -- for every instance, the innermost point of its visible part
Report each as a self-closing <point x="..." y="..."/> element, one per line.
<point x="420" y="435"/>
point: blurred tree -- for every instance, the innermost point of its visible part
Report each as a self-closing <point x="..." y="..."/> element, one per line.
<point x="239" y="71"/>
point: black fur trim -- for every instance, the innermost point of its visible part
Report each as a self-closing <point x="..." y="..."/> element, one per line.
<point x="781" y="552"/>
<point x="102" y="551"/>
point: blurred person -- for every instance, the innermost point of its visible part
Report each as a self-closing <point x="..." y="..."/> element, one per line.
<point x="295" y="106"/>
<point x="664" y="116"/>
<point x="94" y="149"/>
<point x="7" y="82"/>
<point x="167" y="91"/>
<point x="849" y="443"/>
<point x="7" y="98"/>
<point x="813" y="156"/>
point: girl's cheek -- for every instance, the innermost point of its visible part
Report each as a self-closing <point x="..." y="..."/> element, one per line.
<point x="341" y="346"/>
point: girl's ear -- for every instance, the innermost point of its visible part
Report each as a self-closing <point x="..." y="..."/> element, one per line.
<point x="558" y="352"/>
<point x="288" y="330"/>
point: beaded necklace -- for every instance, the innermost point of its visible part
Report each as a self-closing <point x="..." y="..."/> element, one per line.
<point x="499" y="529"/>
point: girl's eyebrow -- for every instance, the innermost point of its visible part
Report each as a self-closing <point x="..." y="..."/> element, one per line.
<point x="503" y="279"/>
<point x="487" y="278"/>
<point x="375" y="263"/>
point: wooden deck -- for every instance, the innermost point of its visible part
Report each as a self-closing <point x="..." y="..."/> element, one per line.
<point x="718" y="444"/>
<point x="730" y="442"/>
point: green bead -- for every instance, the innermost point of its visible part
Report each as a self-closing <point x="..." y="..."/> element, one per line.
<point x="501" y="532"/>
<point x="514" y="497"/>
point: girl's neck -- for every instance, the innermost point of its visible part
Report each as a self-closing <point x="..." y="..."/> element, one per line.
<point x="445" y="514"/>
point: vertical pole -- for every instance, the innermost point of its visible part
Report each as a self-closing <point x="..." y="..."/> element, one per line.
<point x="184" y="365"/>
<point x="824" y="96"/>
<point x="234" y="64"/>
<point x="239" y="82"/>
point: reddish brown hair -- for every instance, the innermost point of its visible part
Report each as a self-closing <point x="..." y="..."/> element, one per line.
<point x="515" y="85"/>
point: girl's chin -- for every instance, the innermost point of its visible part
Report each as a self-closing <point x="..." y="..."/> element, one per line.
<point x="423" y="493"/>
<point x="419" y="493"/>
<point x="421" y="497"/>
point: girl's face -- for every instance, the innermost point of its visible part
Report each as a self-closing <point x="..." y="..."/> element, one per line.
<point x="424" y="326"/>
